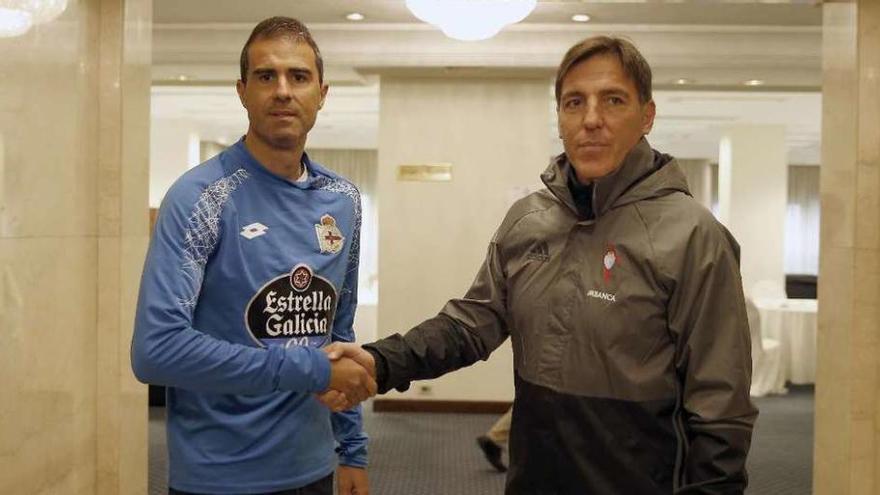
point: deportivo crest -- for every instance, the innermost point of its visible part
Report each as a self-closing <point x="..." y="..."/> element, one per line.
<point x="330" y="238"/>
<point x="296" y="308"/>
<point x="608" y="262"/>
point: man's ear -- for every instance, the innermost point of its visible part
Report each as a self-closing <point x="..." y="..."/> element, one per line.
<point x="558" y="124"/>
<point x="239" y="88"/>
<point x="650" y="112"/>
<point x="324" y="89"/>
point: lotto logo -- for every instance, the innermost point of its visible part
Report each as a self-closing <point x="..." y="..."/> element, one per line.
<point x="253" y="230"/>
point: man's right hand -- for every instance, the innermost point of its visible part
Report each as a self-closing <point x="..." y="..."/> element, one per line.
<point x="338" y="350"/>
<point x="352" y="379"/>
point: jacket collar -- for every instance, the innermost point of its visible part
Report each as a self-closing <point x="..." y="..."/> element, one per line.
<point x="637" y="164"/>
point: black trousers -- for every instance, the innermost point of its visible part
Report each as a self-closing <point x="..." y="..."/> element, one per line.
<point x="323" y="486"/>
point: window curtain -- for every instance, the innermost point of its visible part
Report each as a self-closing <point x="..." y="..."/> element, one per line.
<point x="360" y="167"/>
<point x="802" y="221"/>
<point x="802" y="210"/>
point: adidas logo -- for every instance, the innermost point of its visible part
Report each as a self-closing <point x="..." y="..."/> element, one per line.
<point x="539" y="252"/>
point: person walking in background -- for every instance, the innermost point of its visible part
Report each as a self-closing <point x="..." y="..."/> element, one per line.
<point x="494" y="442"/>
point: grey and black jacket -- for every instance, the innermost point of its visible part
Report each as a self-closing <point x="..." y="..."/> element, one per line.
<point x="630" y="337"/>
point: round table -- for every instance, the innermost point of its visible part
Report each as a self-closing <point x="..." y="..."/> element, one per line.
<point x="793" y="323"/>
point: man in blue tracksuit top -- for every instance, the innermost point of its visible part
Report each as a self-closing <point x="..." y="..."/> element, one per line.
<point x="251" y="271"/>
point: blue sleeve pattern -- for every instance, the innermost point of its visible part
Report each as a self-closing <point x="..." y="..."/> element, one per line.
<point x="348" y="425"/>
<point x="203" y="231"/>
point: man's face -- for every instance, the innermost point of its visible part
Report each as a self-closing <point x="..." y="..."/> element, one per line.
<point x="600" y="116"/>
<point x="282" y="94"/>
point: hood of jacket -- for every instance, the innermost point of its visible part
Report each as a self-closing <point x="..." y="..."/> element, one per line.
<point x="644" y="174"/>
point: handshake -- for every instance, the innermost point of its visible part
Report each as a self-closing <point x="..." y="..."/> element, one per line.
<point x="352" y="376"/>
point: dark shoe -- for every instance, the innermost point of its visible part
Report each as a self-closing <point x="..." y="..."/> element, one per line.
<point x="492" y="451"/>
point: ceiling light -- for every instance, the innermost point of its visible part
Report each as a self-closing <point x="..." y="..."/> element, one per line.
<point x="683" y="81"/>
<point x="14" y="22"/>
<point x="43" y="11"/>
<point x="580" y="18"/>
<point x="754" y="82"/>
<point x="182" y="77"/>
<point x="471" y="20"/>
<point x="355" y="16"/>
<point x="17" y="16"/>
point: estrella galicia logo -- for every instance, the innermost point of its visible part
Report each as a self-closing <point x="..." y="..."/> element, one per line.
<point x="296" y="308"/>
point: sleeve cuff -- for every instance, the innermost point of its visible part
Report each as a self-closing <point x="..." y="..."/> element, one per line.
<point x="384" y="379"/>
<point x="321" y="375"/>
<point x="304" y="369"/>
<point x="355" y="462"/>
<point x="355" y="457"/>
<point x="381" y="368"/>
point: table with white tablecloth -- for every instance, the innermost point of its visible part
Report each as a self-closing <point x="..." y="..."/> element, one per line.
<point x="793" y="323"/>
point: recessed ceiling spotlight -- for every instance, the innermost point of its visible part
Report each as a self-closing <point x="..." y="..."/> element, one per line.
<point x="183" y="77"/>
<point x="580" y="18"/>
<point x="355" y="16"/>
<point x="754" y="82"/>
<point x="683" y="81"/>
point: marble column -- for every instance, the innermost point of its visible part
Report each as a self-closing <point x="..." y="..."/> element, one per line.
<point x="752" y="195"/>
<point x="847" y="437"/>
<point x="74" y="117"/>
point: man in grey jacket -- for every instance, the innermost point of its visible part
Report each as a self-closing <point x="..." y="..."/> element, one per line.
<point x="623" y="300"/>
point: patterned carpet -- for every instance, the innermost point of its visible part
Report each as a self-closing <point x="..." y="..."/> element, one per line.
<point x="781" y="459"/>
<point x="435" y="454"/>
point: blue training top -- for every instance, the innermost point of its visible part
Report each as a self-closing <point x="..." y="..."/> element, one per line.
<point x="248" y="274"/>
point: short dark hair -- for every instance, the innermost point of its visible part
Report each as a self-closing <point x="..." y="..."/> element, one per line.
<point x="277" y="27"/>
<point x="634" y="64"/>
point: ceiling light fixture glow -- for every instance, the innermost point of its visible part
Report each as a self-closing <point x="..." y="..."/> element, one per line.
<point x="580" y="18"/>
<point x="683" y="81"/>
<point x="18" y="16"/>
<point x="14" y="22"/>
<point x="754" y="82"/>
<point x="355" y="16"/>
<point x="43" y="10"/>
<point x="471" y="20"/>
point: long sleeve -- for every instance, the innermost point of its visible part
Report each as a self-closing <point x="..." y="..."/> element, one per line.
<point x="713" y="357"/>
<point x="348" y="425"/>
<point x="466" y="330"/>
<point x="166" y="349"/>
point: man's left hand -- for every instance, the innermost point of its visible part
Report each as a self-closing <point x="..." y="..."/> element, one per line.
<point x="352" y="481"/>
<point x="334" y="400"/>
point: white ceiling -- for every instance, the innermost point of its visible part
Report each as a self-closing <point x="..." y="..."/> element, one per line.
<point x="716" y="44"/>
<point x="702" y="12"/>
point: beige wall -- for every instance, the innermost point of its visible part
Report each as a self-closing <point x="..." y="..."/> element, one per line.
<point x="174" y="149"/>
<point x="847" y="430"/>
<point x="73" y="226"/>
<point x="752" y="185"/>
<point x="433" y="235"/>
